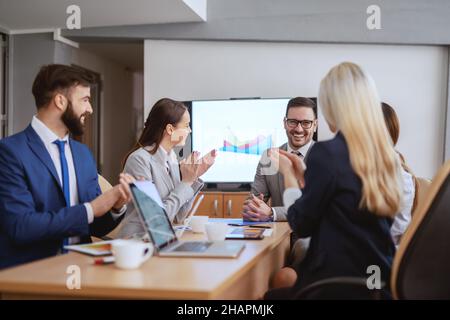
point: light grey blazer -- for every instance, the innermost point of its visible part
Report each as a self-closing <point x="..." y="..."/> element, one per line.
<point x="272" y="186"/>
<point x="176" y="195"/>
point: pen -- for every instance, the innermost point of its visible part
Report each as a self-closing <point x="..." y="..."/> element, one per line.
<point x="250" y="225"/>
<point x="259" y="226"/>
<point x="105" y="260"/>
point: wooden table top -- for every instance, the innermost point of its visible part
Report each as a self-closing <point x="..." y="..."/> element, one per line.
<point x="159" y="277"/>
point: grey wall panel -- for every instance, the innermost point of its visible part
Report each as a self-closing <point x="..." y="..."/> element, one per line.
<point x="30" y="52"/>
<point x="402" y="22"/>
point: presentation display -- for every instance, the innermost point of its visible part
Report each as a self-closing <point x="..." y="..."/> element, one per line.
<point x="240" y="130"/>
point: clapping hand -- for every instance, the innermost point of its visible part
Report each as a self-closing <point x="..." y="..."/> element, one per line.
<point x="289" y="165"/>
<point x="190" y="168"/>
<point x="206" y="162"/>
<point x="123" y="190"/>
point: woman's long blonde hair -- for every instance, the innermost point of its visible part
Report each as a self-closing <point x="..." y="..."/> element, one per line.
<point x="350" y="103"/>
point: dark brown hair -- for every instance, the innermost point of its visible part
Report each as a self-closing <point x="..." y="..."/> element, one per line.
<point x="302" y="102"/>
<point x="165" y="111"/>
<point x="54" y="77"/>
<point x="393" y="126"/>
<point x="391" y="120"/>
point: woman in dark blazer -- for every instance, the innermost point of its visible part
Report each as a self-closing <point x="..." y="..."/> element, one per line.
<point x="351" y="190"/>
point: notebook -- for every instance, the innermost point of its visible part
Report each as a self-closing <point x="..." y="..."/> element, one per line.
<point x="246" y="234"/>
<point x="102" y="248"/>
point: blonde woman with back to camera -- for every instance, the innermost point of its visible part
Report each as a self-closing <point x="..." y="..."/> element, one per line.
<point x="351" y="190"/>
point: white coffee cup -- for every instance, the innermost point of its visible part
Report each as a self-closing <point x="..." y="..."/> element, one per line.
<point x="130" y="254"/>
<point x="216" y="231"/>
<point x="197" y="223"/>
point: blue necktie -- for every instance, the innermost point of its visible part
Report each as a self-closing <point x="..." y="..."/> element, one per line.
<point x="65" y="180"/>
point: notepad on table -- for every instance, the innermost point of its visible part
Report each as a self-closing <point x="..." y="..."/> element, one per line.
<point x="102" y="248"/>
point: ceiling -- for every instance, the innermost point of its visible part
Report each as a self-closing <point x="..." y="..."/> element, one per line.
<point x="130" y="55"/>
<point x="25" y="15"/>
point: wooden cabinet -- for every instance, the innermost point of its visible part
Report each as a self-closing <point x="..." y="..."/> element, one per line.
<point x="222" y="204"/>
<point x="212" y="205"/>
<point x="232" y="204"/>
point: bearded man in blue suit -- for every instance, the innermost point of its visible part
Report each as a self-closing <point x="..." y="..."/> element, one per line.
<point x="49" y="192"/>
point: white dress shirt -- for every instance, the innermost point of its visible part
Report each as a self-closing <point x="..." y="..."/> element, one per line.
<point x="401" y="220"/>
<point x="169" y="158"/>
<point x="303" y="150"/>
<point x="48" y="137"/>
<point x="290" y="195"/>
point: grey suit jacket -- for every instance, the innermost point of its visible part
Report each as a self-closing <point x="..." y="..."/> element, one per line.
<point x="272" y="186"/>
<point x="176" y="195"/>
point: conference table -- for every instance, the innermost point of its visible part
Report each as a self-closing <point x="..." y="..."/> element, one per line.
<point x="245" y="277"/>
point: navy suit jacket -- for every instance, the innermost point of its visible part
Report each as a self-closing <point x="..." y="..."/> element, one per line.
<point x="345" y="240"/>
<point x="34" y="218"/>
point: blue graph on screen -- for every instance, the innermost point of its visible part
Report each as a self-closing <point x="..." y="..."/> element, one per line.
<point x="253" y="146"/>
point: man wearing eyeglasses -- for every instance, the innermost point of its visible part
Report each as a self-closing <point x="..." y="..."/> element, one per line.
<point x="300" y="124"/>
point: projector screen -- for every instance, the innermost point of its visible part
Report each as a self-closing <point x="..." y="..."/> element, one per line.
<point x="240" y="130"/>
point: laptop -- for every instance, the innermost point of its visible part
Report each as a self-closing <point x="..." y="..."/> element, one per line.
<point x="194" y="209"/>
<point x="166" y="243"/>
<point x="180" y="228"/>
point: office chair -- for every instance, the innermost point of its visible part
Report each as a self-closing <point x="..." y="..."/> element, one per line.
<point x="422" y="187"/>
<point x="105" y="186"/>
<point x="342" y="288"/>
<point x="422" y="262"/>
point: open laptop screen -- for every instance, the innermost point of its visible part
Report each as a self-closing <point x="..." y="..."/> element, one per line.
<point x="155" y="218"/>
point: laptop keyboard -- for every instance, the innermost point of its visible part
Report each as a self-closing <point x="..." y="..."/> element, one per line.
<point x="193" y="246"/>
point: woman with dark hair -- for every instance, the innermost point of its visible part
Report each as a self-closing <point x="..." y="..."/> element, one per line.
<point x="403" y="218"/>
<point x="153" y="158"/>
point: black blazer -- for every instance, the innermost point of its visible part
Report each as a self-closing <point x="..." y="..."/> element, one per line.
<point x="345" y="240"/>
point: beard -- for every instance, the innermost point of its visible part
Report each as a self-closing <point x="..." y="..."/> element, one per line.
<point x="72" y="121"/>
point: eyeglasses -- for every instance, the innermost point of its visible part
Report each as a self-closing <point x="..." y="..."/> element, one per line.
<point x="293" y="123"/>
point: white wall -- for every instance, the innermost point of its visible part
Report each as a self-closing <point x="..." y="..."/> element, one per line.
<point x="410" y="78"/>
<point x="29" y="53"/>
